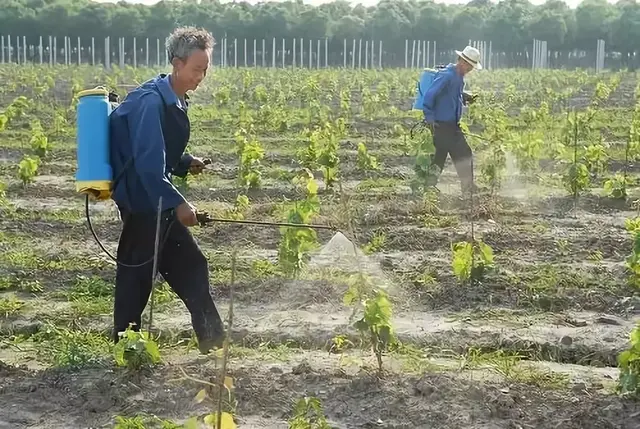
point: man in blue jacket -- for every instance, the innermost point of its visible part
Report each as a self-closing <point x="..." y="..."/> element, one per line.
<point x="149" y="134"/>
<point x="443" y="103"/>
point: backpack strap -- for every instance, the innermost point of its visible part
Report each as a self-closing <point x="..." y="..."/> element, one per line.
<point x="129" y="162"/>
<point x="438" y="69"/>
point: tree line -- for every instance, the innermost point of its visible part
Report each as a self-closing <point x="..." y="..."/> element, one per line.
<point x="509" y="24"/>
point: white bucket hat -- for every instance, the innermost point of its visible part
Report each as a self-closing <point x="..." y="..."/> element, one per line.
<point x="472" y="56"/>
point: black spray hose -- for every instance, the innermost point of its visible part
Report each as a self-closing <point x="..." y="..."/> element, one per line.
<point x="95" y="236"/>
<point x="203" y="219"/>
<point x="417" y="124"/>
<point x="423" y="124"/>
<point x="206" y="161"/>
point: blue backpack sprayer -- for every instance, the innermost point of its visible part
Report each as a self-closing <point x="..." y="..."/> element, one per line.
<point x="423" y="84"/>
<point x="425" y="81"/>
<point x="94" y="176"/>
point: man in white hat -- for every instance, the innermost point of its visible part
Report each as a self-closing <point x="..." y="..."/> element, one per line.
<point x="442" y="109"/>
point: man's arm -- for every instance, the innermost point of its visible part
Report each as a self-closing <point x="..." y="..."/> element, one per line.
<point x="468" y="98"/>
<point x="145" y="129"/>
<point x="183" y="166"/>
<point x="429" y="101"/>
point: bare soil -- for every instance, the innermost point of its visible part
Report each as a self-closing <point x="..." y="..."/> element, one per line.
<point x="559" y="299"/>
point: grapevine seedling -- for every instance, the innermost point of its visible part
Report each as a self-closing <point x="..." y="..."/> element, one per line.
<point x="339" y="343"/>
<point x="250" y="153"/>
<point x="376" y="244"/>
<point x="245" y="120"/>
<point x="136" y="350"/>
<point x="28" y="169"/>
<point x="629" y="363"/>
<point x="60" y="124"/>
<point x="633" y="260"/>
<point x="13" y="111"/>
<point x="308" y="157"/>
<point x="345" y="104"/>
<point x="493" y="169"/>
<point x="426" y="172"/>
<point x="39" y="141"/>
<point x="10" y="306"/>
<point x="374" y="324"/>
<point x="616" y="186"/>
<point x="578" y="178"/>
<point x="296" y="242"/>
<point x="364" y="161"/>
<point x="528" y="148"/>
<point x="360" y="286"/>
<point x="239" y="208"/>
<point x="308" y="414"/>
<point x="401" y="132"/>
<point x="595" y="158"/>
<point x="471" y="260"/>
<point x="370" y="103"/>
<point x="328" y="157"/>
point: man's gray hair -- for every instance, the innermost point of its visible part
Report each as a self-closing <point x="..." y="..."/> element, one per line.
<point x="185" y="40"/>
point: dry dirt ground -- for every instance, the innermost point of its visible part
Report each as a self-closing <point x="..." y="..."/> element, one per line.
<point x="531" y="346"/>
<point x="566" y="315"/>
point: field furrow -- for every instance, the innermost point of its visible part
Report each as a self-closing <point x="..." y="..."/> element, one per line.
<point x="525" y="333"/>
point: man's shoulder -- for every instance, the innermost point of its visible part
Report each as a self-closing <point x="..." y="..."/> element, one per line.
<point x="445" y="72"/>
<point x="145" y="93"/>
<point x="450" y="69"/>
<point x="141" y="97"/>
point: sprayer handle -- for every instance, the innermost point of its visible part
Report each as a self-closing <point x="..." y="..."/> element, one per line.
<point x="203" y="218"/>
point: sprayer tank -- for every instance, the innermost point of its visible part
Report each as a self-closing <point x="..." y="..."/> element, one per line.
<point x="94" y="174"/>
<point x="426" y="79"/>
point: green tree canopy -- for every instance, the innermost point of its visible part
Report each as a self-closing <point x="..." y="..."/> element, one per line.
<point x="509" y="24"/>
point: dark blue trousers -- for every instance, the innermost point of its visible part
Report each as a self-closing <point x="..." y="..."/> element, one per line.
<point x="181" y="263"/>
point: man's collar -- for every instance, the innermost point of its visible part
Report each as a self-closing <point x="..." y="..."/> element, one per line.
<point x="166" y="90"/>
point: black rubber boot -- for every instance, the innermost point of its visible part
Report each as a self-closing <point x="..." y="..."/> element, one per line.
<point x="434" y="172"/>
<point x="209" y="331"/>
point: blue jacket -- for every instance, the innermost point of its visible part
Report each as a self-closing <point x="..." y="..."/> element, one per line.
<point x="443" y="100"/>
<point x="149" y="132"/>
